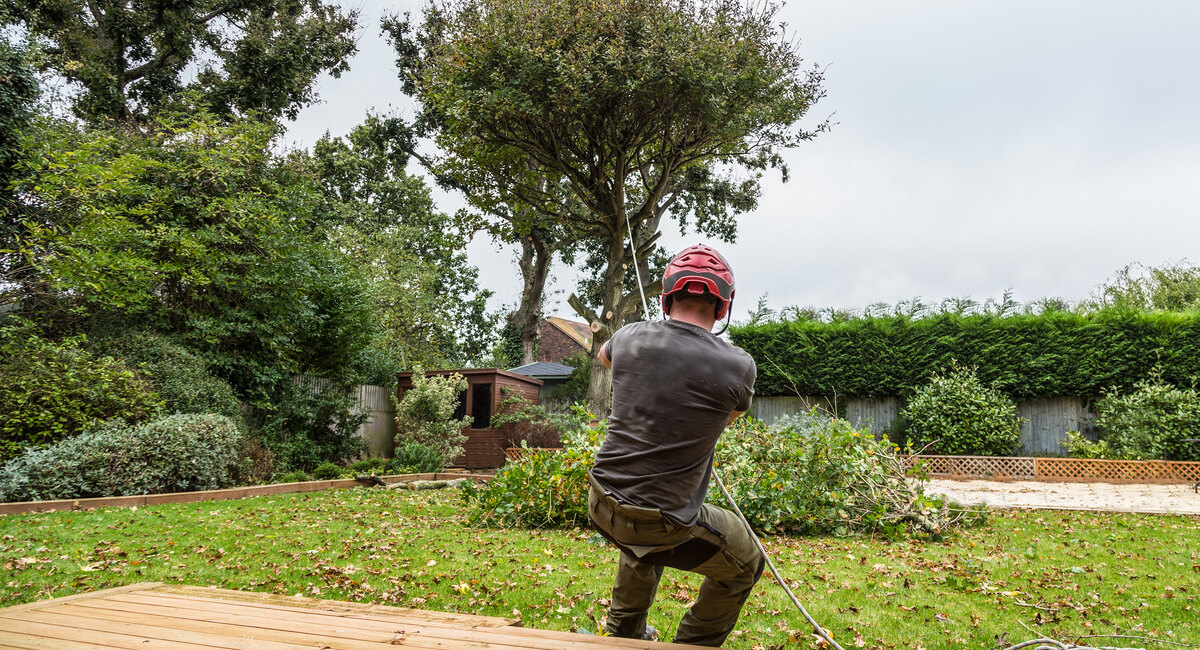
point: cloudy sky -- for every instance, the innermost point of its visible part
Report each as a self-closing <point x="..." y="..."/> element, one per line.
<point x="1036" y="146"/>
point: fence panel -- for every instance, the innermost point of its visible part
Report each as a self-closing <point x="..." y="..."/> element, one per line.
<point x="877" y="413"/>
<point x="1047" y="421"/>
<point x="379" y="430"/>
<point x="771" y="409"/>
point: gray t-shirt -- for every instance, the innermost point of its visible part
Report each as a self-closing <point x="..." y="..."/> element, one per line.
<point x="674" y="386"/>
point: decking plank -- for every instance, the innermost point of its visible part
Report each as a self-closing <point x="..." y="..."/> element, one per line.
<point x="418" y="633"/>
<point x="152" y="628"/>
<point x="66" y="634"/>
<point x="304" y="603"/>
<point x="251" y="633"/>
<point x="172" y="617"/>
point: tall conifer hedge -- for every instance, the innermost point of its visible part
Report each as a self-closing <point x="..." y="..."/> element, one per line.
<point x="1026" y="356"/>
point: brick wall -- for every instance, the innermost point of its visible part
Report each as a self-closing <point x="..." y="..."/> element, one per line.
<point x="554" y="345"/>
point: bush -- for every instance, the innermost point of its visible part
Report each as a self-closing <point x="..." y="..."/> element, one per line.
<point x="956" y="414"/>
<point x="179" y="376"/>
<point x="297" y="476"/>
<point x="525" y="424"/>
<point x="416" y="458"/>
<point x="544" y="488"/>
<point x="819" y="475"/>
<point x="51" y="390"/>
<point x="326" y="471"/>
<point x="371" y="466"/>
<point x="311" y="421"/>
<point x="1151" y="421"/>
<point x="178" y="453"/>
<point x="426" y="415"/>
<point x="1078" y="446"/>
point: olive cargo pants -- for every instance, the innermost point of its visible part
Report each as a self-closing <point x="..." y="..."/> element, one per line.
<point x="718" y="547"/>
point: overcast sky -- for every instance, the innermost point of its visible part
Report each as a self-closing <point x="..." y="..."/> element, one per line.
<point x="1036" y="146"/>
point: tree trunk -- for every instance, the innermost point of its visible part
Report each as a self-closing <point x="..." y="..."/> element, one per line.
<point x="535" y="266"/>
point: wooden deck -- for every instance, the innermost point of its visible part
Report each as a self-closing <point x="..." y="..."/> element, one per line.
<point x="170" y="617"/>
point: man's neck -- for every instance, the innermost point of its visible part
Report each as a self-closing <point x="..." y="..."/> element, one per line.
<point x="694" y="318"/>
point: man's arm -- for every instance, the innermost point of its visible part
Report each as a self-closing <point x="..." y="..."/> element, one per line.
<point x="733" y="416"/>
<point x="602" y="357"/>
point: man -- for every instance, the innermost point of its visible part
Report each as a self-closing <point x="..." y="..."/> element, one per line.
<point x="676" y="386"/>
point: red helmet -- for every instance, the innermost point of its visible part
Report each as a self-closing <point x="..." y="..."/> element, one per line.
<point x="697" y="270"/>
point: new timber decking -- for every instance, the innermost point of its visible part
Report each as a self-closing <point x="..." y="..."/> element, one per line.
<point x="171" y="617"/>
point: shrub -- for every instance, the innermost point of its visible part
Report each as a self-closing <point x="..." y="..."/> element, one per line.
<point x="1078" y="446"/>
<point x="416" y="458"/>
<point x="1151" y="421"/>
<point x="326" y="471"/>
<point x="177" y="453"/>
<point x="574" y="389"/>
<point x="179" y="376"/>
<point x="51" y="390"/>
<point x="956" y="414"/>
<point x="311" y="421"/>
<point x="525" y="424"/>
<point x="297" y="476"/>
<point x="371" y="466"/>
<point x="426" y="415"/>
<point x="544" y="488"/>
<point x="820" y="475"/>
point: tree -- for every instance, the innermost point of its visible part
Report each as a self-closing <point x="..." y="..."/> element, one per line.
<point x="131" y="59"/>
<point x="1136" y="287"/>
<point x="619" y="102"/>
<point x="193" y="229"/>
<point x="427" y="296"/>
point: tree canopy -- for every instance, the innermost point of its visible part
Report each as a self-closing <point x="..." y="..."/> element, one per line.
<point x="625" y="104"/>
<point x="127" y="60"/>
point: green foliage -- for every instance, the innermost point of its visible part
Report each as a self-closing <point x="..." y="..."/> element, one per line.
<point x="177" y="453"/>
<point x="814" y="475"/>
<point x="544" y="489"/>
<point x="1135" y="287"/>
<point x="131" y="59"/>
<point x="1151" y="421"/>
<point x="326" y="471"/>
<point x="198" y="232"/>
<point x="298" y="476"/>
<point x="1026" y="356"/>
<point x="416" y="458"/>
<point x="53" y="390"/>
<point x="311" y="421"/>
<point x="574" y="389"/>
<point x="696" y="93"/>
<point x="425" y="415"/>
<point x="18" y="90"/>
<point x="384" y="219"/>
<point x="525" y="424"/>
<point x="956" y="414"/>
<point x="1078" y="446"/>
<point x="179" y="376"/>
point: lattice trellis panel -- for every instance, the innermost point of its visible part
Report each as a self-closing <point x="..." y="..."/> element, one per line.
<point x="1058" y="468"/>
<point x="1112" y="470"/>
<point x="975" y="466"/>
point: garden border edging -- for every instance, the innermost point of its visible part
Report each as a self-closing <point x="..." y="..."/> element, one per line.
<point x="140" y="500"/>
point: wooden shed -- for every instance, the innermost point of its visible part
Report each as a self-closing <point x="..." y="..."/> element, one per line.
<point x="484" y="447"/>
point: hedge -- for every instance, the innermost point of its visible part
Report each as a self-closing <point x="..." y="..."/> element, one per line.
<point x="1058" y="354"/>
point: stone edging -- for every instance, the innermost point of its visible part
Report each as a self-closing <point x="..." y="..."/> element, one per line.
<point x="141" y="500"/>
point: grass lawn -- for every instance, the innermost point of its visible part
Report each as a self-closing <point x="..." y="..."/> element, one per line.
<point x="1060" y="574"/>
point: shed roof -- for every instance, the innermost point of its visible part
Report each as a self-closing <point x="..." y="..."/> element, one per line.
<point x="544" y="370"/>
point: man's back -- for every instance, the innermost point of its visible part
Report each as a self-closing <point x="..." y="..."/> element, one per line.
<point x="674" y="387"/>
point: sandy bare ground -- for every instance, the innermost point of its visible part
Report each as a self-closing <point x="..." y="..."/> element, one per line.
<point x="1153" y="498"/>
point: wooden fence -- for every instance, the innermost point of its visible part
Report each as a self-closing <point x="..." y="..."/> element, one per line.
<point x="1044" y="422"/>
